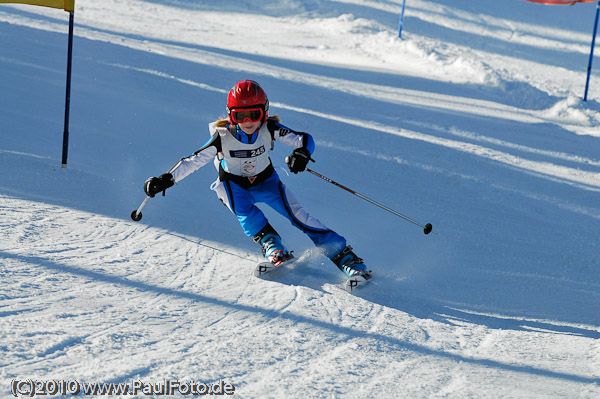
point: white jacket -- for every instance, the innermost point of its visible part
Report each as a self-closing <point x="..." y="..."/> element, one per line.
<point x="245" y="164"/>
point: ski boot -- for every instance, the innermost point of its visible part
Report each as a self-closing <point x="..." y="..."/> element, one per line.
<point x="352" y="265"/>
<point x="272" y="248"/>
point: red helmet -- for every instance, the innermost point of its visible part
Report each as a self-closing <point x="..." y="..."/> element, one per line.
<point x="247" y="94"/>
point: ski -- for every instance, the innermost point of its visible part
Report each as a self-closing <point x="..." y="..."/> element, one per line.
<point x="356" y="282"/>
<point x="351" y="284"/>
<point x="265" y="267"/>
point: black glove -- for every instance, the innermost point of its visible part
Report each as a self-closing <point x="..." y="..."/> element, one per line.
<point x="298" y="160"/>
<point x="155" y="185"/>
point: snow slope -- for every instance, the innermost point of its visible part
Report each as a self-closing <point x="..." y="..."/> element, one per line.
<point x="473" y="122"/>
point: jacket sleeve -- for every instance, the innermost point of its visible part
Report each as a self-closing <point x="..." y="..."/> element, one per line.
<point x="188" y="165"/>
<point x="290" y="137"/>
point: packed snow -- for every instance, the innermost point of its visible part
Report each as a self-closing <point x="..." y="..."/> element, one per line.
<point x="473" y="120"/>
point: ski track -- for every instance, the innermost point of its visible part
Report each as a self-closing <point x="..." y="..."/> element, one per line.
<point x="323" y="328"/>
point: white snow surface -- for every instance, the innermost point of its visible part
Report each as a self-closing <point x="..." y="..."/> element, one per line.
<point x="473" y="121"/>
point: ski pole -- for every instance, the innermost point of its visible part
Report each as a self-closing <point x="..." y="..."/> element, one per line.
<point x="136" y="215"/>
<point x="428" y="228"/>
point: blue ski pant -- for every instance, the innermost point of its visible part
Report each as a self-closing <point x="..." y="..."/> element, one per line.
<point x="242" y="202"/>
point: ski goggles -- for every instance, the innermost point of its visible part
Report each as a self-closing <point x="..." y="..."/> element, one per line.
<point x="247" y="114"/>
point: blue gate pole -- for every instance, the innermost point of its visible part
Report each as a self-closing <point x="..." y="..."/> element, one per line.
<point x="402" y="19"/>
<point x="65" y="151"/>
<point x="589" y="70"/>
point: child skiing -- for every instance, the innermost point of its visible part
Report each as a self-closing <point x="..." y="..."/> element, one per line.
<point x="240" y="148"/>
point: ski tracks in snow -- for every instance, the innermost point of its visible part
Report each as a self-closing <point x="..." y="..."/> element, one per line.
<point x="82" y="284"/>
<point x="92" y="290"/>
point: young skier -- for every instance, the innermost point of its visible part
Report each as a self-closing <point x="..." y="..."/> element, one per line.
<point x="240" y="148"/>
